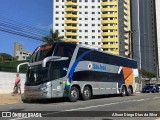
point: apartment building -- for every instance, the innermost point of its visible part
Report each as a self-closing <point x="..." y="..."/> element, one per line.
<point x="144" y="33"/>
<point x="103" y="24"/>
<point x="19" y="52"/>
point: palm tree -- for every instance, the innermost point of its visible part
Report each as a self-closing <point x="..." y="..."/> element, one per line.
<point x="53" y="37"/>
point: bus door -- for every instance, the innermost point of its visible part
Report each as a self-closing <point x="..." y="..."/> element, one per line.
<point x="58" y="72"/>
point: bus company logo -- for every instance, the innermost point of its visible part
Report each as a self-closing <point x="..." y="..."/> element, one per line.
<point x="99" y="67"/>
<point x="90" y="66"/>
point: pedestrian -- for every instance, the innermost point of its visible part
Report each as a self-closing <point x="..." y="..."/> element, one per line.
<point x="17" y="85"/>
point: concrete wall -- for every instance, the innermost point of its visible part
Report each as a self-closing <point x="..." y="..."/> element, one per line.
<point x="7" y="81"/>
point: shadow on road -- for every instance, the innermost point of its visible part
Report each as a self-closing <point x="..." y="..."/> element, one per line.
<point x="61" y="100"/>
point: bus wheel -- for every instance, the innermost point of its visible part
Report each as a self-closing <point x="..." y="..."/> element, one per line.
<point x="73" y="94"/>
<point x="130" y="91"/>
<point x="124" y="91"/>
<point x="86" y="95"/>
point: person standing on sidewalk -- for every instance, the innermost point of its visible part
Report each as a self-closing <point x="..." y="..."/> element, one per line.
<point x="17" y="85"/>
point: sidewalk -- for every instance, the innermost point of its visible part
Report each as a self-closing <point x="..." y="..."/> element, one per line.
<point x="9" y="99"/>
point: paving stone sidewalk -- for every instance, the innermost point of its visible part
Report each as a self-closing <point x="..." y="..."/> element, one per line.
<point x="9" y="99"/>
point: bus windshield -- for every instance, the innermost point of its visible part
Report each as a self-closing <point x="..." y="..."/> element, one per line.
<point x="54" y="70"/>
<point x="37" y="75"/>
<point x="42" y="52"/>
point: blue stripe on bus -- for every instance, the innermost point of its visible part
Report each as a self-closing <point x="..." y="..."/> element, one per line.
<point x="76" y="63"/>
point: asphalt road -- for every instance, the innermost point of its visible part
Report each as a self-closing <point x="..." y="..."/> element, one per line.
<point x="94" y="109"/>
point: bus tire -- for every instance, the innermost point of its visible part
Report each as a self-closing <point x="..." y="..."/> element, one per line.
<point x="73" y="94"/>
<point x="129" y="91"/>
<point x="86" y="95"/>
<point x="123" y="91"/>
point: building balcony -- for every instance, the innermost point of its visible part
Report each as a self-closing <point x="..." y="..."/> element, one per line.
<point x="109" y="39"/>
<point x="126" y="47"/>
<point x="109" y="33"/>
<point x="109" y="27"/>
<point x="126" y="36"/>
<point x="71" y="34"/>
<point x="108" y="3"/>
<point x="115" y="52"/>
<point x="71" y="3"/>
<point x="126" y="53"/>
<point x="110" y="46"/>
<point x="109" y="15"/>
<point x="71" y="28"/>
<point x="109" y="9"/>
<point x="71" y="16"/>
<point x="126" y="42"/>
<point x="70" y="22"/>
<point x="71" y="40"/>
<point x="109" y="21"/>
<point x="71" y="9"/>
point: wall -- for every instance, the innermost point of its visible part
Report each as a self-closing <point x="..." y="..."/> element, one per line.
<point x="7" y="81"/>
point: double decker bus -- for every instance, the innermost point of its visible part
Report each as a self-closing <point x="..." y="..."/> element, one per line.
<point x="70" y="70"/>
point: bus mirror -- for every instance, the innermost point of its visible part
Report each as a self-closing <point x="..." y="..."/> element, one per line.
<point x="21" y="65"/>
<point x="53" y="58"/>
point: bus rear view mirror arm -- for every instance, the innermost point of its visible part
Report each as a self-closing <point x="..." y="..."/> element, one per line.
<point x="53" y="58"/>
<point x="21" y="65"/>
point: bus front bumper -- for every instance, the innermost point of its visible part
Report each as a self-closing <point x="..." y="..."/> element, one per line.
<point x="31" y="95"/>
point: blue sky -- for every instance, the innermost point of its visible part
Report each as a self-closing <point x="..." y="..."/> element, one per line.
<point x="35" y="13"/>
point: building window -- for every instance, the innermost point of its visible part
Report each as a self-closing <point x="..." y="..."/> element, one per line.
<point x="86" y="37"/>
<point x="57" y="12"/>
<point x="57" y="6"/>
<point x="57" y="0"/>
<point x="57" y="18"/>
<point x="86" y="43"/>
<point x="99" y="43"/>
<point x="93" y="37"/>
<point x="56" y="24"/>
<point x="93" y="43"/>
<point x="86" y="6"/>
<point x="86" y="18"/>
<point x="86" y="30"/>
<point x="86" y="24"/>
<point x="86" y="12"/>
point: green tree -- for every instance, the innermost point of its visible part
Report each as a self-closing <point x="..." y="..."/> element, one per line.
<point x="147" y="74"/>
<point x="53" y="37"/>
<point x="6" y="57"/>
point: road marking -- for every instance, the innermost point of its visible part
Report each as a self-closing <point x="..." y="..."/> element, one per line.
<point x="108" y="104"/>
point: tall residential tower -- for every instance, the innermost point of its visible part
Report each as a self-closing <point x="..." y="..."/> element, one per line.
<point x="100" y="23"/>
